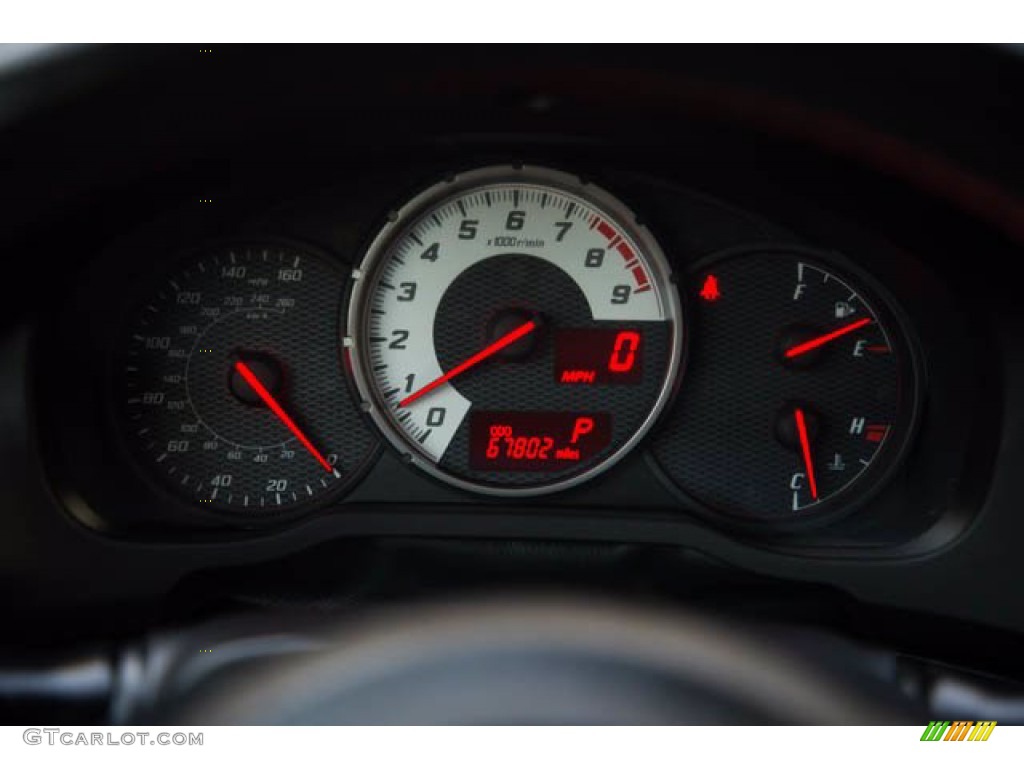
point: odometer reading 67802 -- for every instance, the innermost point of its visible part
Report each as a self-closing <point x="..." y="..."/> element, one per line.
<point x="514" y="331"/>
<point x="536" y="441"/>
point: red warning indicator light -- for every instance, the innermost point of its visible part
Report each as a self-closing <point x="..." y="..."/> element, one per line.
<point x="710" y="290"/>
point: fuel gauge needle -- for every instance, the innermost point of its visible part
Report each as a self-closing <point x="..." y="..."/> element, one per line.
<point x="805" y="449"/>
<point x="268" y="399"/>
<point x="825" y="338"/>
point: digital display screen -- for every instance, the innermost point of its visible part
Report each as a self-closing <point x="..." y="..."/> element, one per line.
<point x="586" y="356"/>
<point x="536" y="441"/>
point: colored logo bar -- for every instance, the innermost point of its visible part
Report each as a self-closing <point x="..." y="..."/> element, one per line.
<point x="958" y="730"/>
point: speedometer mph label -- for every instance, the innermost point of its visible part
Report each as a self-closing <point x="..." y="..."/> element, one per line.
<point x="523" y="293"/>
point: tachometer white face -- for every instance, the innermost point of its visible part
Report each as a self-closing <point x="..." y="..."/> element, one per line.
<point x="514" y="331"/>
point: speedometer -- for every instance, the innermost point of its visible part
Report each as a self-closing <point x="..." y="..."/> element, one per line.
<point x="230" y="382"/>
<point x="514" y="331"/>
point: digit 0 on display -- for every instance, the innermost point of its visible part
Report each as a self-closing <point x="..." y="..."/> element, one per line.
<point x="598" y="356"/>
<point x="514" y="330"/>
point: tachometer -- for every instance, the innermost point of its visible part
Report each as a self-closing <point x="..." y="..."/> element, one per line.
<point x="515" y="330"/>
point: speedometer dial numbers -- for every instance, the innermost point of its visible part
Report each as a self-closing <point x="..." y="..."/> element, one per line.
<point x="232" y="392"/>
<point x="801" y="394"/>
<point x="515" y="331"/>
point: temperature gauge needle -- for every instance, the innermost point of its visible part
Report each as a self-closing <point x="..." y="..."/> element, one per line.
<point x="268" y="399"/>
<point x="825" y="338"/>
<point x="491" y="349"/>
<point x="805" y="449"/>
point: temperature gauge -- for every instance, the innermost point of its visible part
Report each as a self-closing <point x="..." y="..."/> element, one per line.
<point x="801" y="390"/>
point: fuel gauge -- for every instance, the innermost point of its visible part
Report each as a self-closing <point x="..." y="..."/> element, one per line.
<point x="800" y="393"/>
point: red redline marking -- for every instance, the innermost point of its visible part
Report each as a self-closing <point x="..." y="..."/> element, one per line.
<point x="465" y="365"/>
<point x="617" y="243"/>
<point x="879" y="348"/>
<point x="284" y="418"/>
<point x="807" y="346"/>
<point x="875" y="432"/>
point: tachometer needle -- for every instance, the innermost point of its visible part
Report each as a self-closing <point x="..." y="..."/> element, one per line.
<point x="825" y="338"/>
<point x="805" y="449"/>
<point x="491" y="349"/>
<point x="268" y="399"/>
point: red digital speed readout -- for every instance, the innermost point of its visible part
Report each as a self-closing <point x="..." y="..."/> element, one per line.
<point x="598" y="356"/>
<point x="536" y="441"/>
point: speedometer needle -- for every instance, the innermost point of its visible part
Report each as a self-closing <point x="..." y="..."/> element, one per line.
<point x="268" y="399"/>
<point x="805" y="449"/>
<point x="491" y="349"/>
<point x="825" y="338"/>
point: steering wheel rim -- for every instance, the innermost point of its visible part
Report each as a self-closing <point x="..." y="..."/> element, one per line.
<point x="521" y="660"/>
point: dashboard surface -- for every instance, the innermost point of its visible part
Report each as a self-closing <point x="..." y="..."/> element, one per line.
<point x="709" y="310"/>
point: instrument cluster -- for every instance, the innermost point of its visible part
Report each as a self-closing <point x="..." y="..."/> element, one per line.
<point x="502" y="337"/>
